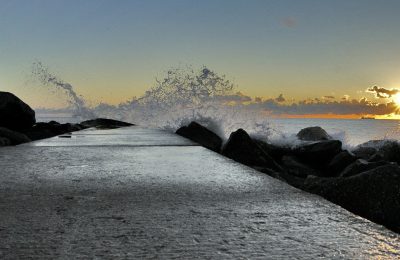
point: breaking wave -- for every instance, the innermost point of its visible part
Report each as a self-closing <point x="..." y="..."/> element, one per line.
<point x="182" y="96"/>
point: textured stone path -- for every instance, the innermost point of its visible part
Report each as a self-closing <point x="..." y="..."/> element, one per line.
<point x="144" y="193"/>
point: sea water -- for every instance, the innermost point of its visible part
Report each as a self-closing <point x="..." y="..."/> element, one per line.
<point x="351" y="131"/>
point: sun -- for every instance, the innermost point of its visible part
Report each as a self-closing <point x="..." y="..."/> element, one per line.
<point x="396" y="99"/>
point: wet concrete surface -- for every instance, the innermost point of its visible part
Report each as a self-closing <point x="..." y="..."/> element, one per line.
<point x="99" y="198"/>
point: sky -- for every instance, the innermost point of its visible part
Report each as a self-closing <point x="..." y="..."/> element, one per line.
<point x="111" y="51"/>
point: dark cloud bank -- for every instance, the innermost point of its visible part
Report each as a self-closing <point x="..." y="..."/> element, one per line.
<point x="327" y="105"/>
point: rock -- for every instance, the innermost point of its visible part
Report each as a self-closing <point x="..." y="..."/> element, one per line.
<point x="4" y="141"/>
<point x="104" y="123"/>
<point x="376" y="150"/>
<point x="390" y="151"/>
<point x="294" y="167"/>
<point x="241" y="148"/>
<point x="14" y="113"/>
<point x="13" y="136"/>
<point x="374" y="194"/>
<point x="297" y="182"/>
<point x="46" y="130"/>
<point x="318" y="154"/>
<point x="364" y="152"/>
<point x="340" y="161"/>
<point x="314" y="133"/>
<point x="360" y="166"/>
<point x="276" y="152"/>
<point x="201" y="135"/>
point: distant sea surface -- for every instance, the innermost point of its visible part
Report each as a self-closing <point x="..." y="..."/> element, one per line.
<point x="351" y="131"/>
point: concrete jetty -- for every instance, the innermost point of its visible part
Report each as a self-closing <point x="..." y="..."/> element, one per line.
<point x="138" y="193"/>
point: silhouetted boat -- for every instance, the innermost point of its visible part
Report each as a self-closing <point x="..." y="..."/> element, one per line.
<point x="367" y="117"/>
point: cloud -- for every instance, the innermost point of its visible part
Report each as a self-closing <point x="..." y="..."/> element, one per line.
<point x="316" y="106"/>
<point x="289" y="22"/>
<point x="236" y="98"/>
<point x="329" y="97"/>
<point x="383" y="92"/>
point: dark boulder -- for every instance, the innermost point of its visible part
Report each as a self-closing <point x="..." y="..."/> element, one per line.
<point x="376" y="150"/>
<point x="374" y="194"/>
<point x="201" y="135"/>
<point x="13" y="136"/>
<point x="340" y="161"/>
<point x="295" y="181"/>
<point x="318" y="154"/>
<point x="14" y="113"/>
<point x="104" y="123"/>
<point x="296" y="168"/>
<point x="275" y="151"/>
<point x="46" y="130"/>
<point x="4" y="141"/>
<point x="360" y="166"/>
<point x="314" y="133"/>
<point x="390" y="151"/>
<point x="364" y="152"/>
<point x="241" y="148"/>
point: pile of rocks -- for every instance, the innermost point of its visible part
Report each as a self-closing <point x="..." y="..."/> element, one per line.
<point x="18" y="123"/>
<point x="365" y="181"/>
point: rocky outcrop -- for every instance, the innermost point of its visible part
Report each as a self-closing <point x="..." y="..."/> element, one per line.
<point x="241" y="148"/>
<point x="318" y="154"/>
<point x="46" y="130"/>
<point x="374" y="194"/>
<point x="18" y="124"/>
<point x="296" y="168"/>
<point x="104" y="123"/>
<point x="360" y="166"/>
<point x="314" y="133"/>
<point x="376" y="150"/>
<point x="4" y="141"/>
<point x="275" y="151"/>
<point x="201" y="135"/>
<point x="340" y="161"/>
<point x="13" y="137"/>
<point x="14" y="113"/>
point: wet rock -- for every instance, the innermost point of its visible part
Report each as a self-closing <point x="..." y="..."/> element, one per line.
<point x="341" y="161"/>
<point x="314" y="133"/>
<point x="14" y="113"/>
<point x="318" y="154"/>
<point x="46" y="130"/>
<point x="374" y="194"/>
<point x="276" y="152"/>
<point x="201" y="135"/>
<point x="364" y="152"/>
<point x="14" y="137"/>
<point x="360" y="166"/>
<point x="4" y="141"/>
<point x="241" y="148"/>
<point x="376" y="150"/>
<point x="295" y="181"/>
<point x="104" y="123"/>
<point x="294" y="167"/>
<point x="390" y="151"/>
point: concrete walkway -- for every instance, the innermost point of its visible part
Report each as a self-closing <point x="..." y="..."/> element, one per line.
<point x="143" y="193"/>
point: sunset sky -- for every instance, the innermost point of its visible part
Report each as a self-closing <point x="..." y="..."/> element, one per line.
<point x="111" y="51"/>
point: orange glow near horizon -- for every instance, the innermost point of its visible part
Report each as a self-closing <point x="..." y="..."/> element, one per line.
<point x="325" y="116"/>
<point x="336" y="116"/>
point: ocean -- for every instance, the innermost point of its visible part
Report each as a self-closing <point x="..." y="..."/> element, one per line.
<point x="351" y="131"/>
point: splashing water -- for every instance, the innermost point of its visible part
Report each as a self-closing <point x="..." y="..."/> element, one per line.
<point x="45" y="77"/>
<point x="184" y="95"/>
